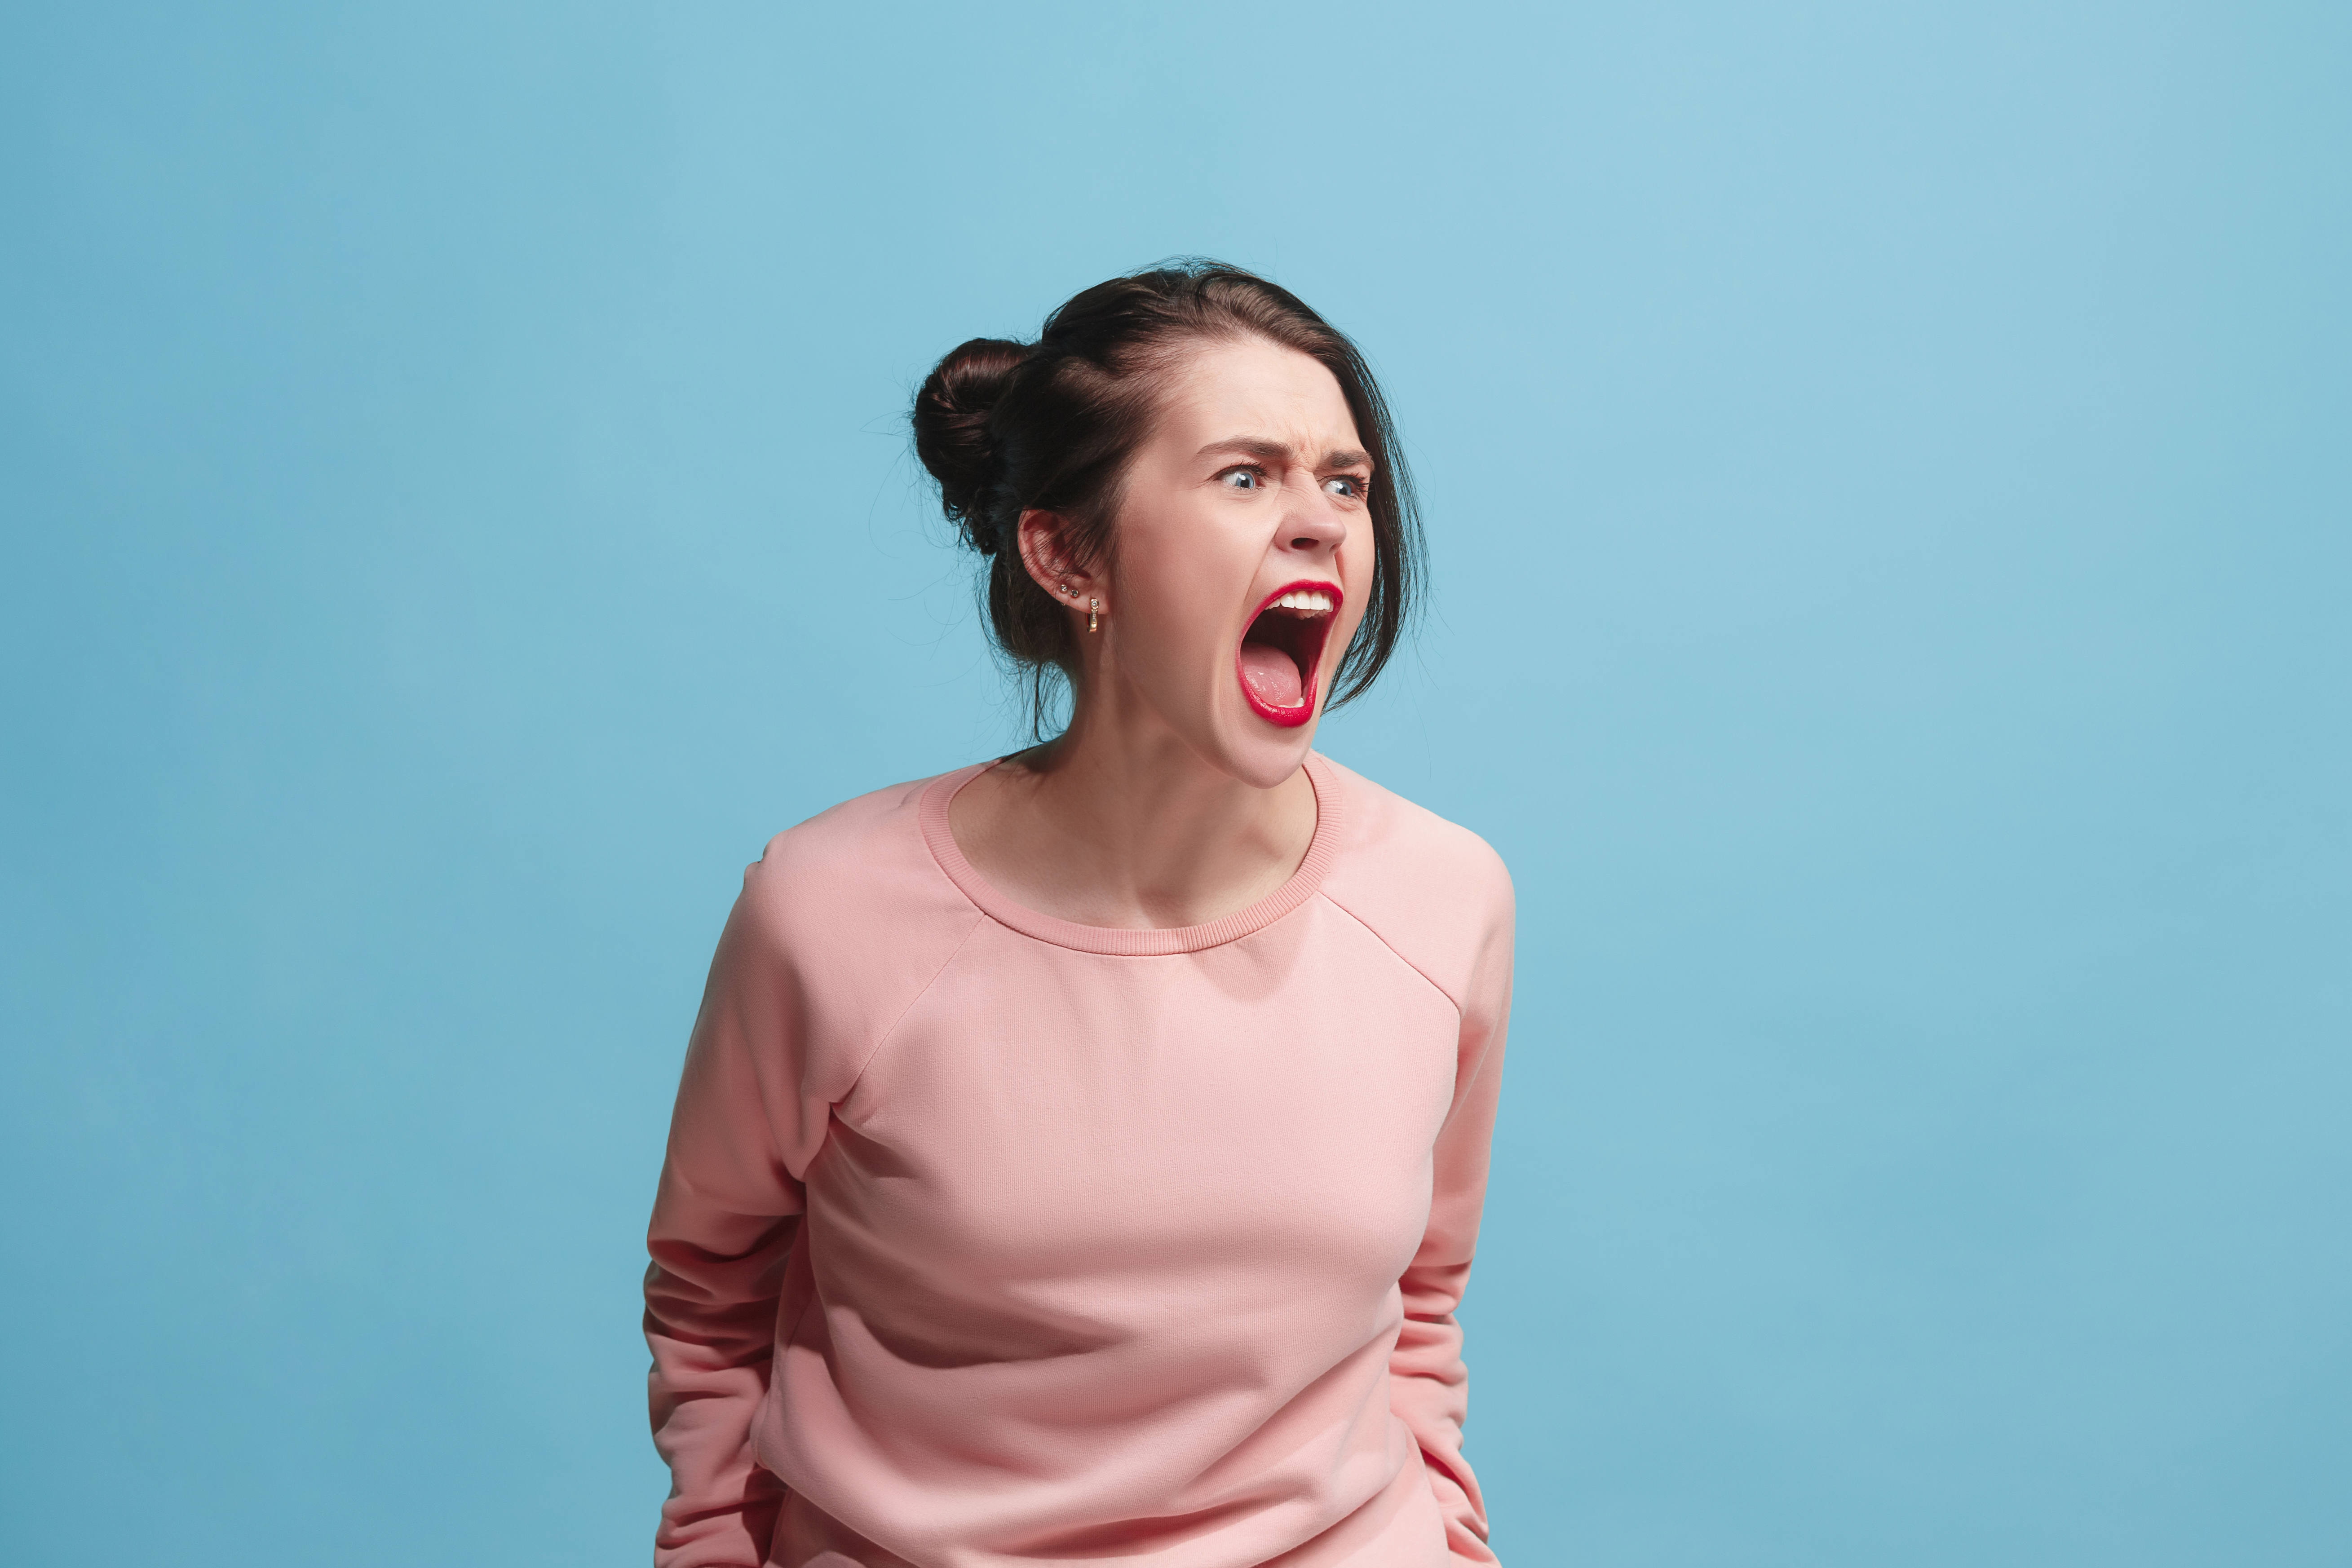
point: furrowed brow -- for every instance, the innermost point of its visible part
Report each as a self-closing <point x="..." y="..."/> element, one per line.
<point x="1347" y="457"/>
<point x="1249" y="446"/>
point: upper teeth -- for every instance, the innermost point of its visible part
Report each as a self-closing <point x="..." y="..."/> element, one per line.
<point x="1312" y="600"/>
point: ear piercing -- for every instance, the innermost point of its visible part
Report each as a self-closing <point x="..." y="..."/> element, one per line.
<point x="1094" y="607"/>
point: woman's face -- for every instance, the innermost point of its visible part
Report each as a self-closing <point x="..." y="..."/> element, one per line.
<point x="1243" y="556"/>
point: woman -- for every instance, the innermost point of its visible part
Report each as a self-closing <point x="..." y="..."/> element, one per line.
<point x="1079" y="1157"/>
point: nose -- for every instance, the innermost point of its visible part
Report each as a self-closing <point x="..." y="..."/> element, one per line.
<point x="1310" y="528"/>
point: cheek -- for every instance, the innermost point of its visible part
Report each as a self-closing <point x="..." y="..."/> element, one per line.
<point x="1356" y="571"/>
<point x="1181" y="592"/>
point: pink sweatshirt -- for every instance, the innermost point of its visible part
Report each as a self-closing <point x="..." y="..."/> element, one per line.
<point x="987" y="1239"/>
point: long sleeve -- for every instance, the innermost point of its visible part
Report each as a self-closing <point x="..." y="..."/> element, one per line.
<point x="1428" y="1383"/>
<point x="724" y="1219"/>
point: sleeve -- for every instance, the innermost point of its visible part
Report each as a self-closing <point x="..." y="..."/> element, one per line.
<point x="724" y="1219"/>
<point x="1428" y="1383"/>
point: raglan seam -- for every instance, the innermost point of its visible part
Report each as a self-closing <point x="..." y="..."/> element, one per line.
<point x="979" y="918"/>
<point x="1395" y="952"/>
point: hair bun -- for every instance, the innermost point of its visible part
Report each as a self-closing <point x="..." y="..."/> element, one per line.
<point x="951" y="428"/>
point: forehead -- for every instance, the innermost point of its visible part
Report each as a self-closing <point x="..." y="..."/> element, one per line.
<point x="1248" y="387"/>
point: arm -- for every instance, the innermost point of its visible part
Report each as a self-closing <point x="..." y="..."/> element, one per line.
<point x="723" y="1224"/>
<point x="1428" y="1384"/>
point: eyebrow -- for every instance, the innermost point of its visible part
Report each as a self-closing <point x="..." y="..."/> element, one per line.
<point x="1280" y="452"/>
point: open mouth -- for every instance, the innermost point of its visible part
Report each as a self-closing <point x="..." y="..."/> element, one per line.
<point x="1282" y="649"/>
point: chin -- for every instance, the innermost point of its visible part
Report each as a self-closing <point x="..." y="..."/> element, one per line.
<point x="1266" y="763"/>
<point x="1250" y="749"/>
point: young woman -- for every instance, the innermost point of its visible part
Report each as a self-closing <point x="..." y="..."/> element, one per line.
<point x="1079" y="1155"/>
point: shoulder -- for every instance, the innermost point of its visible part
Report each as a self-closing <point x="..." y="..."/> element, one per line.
<point x="851" y="915"/>
<point x="1434" y="890"/>
<point x="831" y="852"/>
<point x="1390" y="842"/>
<point x="860" y="866"/>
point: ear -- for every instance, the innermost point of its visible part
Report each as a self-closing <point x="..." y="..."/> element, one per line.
<point x="1044" y="552"/>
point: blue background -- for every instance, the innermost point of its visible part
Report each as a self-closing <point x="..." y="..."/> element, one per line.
<point x="1887" y="469"/>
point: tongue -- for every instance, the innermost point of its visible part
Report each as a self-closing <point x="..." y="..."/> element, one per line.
<point x="1272" y="676"/>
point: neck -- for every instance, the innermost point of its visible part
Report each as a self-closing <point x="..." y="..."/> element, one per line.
<point x="1118" y="821"/>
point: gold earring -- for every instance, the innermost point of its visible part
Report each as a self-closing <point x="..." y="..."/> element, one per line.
<point x="1094" y="608"/>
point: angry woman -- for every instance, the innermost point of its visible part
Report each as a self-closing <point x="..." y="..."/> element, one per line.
<point x="1079" y="1155"/>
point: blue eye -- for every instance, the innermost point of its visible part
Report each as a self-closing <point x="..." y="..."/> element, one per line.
<point x="1346" y="485"/>
<point x="1240" y="478"/>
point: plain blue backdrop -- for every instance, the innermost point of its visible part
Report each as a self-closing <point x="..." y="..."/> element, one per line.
<point x="1889" y="476"/>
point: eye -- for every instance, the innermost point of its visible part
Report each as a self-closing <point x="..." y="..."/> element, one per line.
<point x="1243" y="477"/>
<point x="1350" y="485"/>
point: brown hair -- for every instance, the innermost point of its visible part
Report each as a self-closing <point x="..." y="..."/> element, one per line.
<point x="1006" y="426"/>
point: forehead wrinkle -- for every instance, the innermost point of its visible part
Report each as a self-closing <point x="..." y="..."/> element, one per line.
<point x="1256" y="446"/>
<point x="1274" y="451"/>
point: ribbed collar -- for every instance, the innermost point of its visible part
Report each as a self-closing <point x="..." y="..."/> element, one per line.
<point x="1114" y="940"/>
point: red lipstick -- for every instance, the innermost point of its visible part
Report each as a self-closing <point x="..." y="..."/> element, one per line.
<point x="1281" y="652"/>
